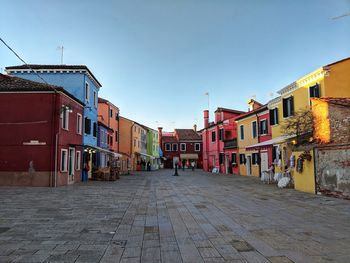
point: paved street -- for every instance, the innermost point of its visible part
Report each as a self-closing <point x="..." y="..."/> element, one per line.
<point x="156" y="217"/>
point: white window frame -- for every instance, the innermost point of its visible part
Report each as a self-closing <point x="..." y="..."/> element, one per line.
<point x="87" y="91"/>
<point x="77" y="160"/>
<point x="95" y="99"/>
<point x="267" y="127"/>
<point x="181" y="145"/>
<point x="167" y="149"/>
<point x="65" y="118"/>
<point x="73" y="161"/>
<point x="79" y="123"/>
<point x="240" y="132"/>
<point x="65" y="166"/>
<point x="256" y="130"/>
<point x="195" y="147"/>
<point x="172" y="147"/>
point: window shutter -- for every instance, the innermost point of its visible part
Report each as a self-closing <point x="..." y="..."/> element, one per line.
<point x="276" y="113"/>
<point x="272" y="117"/>
<point x="285" y="111"/>
<point x="292" y="105"/>
<point x="317" y="91"/>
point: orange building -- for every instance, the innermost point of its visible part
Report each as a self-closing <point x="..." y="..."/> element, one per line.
<point x="125" y="143"/>
<point x="108" y="114"/>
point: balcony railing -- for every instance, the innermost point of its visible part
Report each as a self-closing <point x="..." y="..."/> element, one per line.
<point x="230" y="143"/>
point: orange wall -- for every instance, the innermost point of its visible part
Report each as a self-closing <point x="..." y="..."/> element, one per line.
<point x="111" y="122"/>
<point x="125" y="135"/>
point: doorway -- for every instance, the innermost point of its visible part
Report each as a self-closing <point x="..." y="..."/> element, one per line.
<point x="264" y="161"/>
<point x="71" y="162"/>
<point x="249" y="165"/>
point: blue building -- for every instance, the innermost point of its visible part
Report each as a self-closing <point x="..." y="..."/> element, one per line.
<point x="79" y="81"/>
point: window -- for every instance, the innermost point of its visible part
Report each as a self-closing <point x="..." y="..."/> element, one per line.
<point x="116" y="136"/>
<point x="87" y="126"/>
<point x="134" y="128"/>
<point x="197" y="147"/>
<point x="275" y="154"/>
<point x="221" y="134"/>
<point x="71" y="162"/>
<point x="77" y="160"/>
<point x="241" y="132"/>
<point x="213" y="136"/>
<point x="242" y="159"/>
<point x="288" y="107"/>
<point x="79" y="123"/>
<point x="95" y="99"/>
<point x="64" y="160"/>
<point x="87" y="91"/>
<point x="263" y="127"/>
<point x="110" y="113"/>
<point x="138" y="144"/>
<point x="134" y="142"/>
<point x="314" y="91"/>
<point x="110" y="139"/>
<point x="254" y="131"/>
<point x="255" y="158"/>
<point x="183" y="147"/>
<point x="221" y="158"/>
<point x="116" y="116"/>
<point x="138" y="130"/>
<point x="234" y="158"/>
<point x="65" y="117"/>
<point x="174" y="147"/>
<point x="274" y="116"/>
<point x="94" y="131"/>
<point x="167" y="147"/>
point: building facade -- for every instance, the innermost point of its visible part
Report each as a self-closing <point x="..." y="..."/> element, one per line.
<point x="182" y="147"/>
<point x="79" y="81"/>
<point x="41" y="134"/>
<point x="219" y="141"/>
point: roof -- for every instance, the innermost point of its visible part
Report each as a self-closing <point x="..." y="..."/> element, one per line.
<point x="16" y="84"/>
<point x="336" y="62"/>
<point x="337" y="101"/>
<point x="166" y="139"/>
<point x="53" y="67"/>
<point x="102" y="100"/>
<point x="219" y="109"/>
<point x="187" y="135"/>
<point x="249" y="113"/>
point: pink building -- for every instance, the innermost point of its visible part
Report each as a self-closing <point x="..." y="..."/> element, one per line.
<point x="220" y="141"/>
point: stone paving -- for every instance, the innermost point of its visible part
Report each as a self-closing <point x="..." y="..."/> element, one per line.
<point x="156" y="217"/>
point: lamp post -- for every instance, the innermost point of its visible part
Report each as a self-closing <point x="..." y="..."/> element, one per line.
<point x="176" y="173"/>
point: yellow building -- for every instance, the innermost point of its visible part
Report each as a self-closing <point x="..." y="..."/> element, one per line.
<point x="332" y="80"/>
<point x="247" y="135"/>
<point x="139" y="145"/>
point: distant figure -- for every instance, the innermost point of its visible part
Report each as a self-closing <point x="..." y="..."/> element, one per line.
<point x="192" y="165"/>
<point x="148" y="166"/>
<point x="183" y="165"/>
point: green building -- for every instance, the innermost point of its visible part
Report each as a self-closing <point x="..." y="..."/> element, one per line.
<point x="153" y="148"/>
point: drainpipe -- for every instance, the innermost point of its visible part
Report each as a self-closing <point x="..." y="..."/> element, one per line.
<point x="259" y="152"/>
<point x="53" y="163"/>
<point x="131" y="140"/>
<point x="56" y="149"/>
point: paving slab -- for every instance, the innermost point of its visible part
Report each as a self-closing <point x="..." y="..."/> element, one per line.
<point x="156" y="217"/>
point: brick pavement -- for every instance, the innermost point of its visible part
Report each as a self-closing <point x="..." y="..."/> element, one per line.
<point x="156" y="217"/>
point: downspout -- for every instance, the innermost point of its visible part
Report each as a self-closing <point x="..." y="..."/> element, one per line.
<point x="257" y="126"/>
<point x="131" y="141"/>
<point x="54" y="140"/>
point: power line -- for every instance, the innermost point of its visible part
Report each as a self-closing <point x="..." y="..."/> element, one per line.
<point x="337" y="17"/>
<point x="14" y="52"/>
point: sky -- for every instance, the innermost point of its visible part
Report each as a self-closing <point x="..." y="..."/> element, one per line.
<point x="156" y="59"/>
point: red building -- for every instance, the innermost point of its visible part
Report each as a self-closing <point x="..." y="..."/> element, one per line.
<point x="220" y="141"/>
<point x="40" y="134"/>
<point x="181" y="146"/>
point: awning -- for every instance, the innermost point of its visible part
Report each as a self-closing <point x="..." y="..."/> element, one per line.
<point x="114" y="154"/>
<point x="276" y="140"/>
<point x="147" y="155"/>
<point x="190" y="156"/>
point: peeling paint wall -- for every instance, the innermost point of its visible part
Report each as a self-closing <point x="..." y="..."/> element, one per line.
<point x="333" y="170"/>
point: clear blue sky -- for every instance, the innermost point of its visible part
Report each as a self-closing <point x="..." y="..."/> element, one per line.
<point x="157" y="58"/>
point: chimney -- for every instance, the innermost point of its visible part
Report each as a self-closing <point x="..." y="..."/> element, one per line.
<point x="253" y="104"/>
<point x="195" y="127"/>
<point x="206" y="119"/>
<point x="160" y="136"/>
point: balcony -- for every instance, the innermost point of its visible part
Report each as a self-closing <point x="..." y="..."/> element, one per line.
<point x="229" y="144"/>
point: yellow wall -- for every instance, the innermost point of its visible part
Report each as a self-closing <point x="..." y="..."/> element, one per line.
<point x="338" y="80"/>
<point x="305" y="181"/>
<point x="248" y="140"/>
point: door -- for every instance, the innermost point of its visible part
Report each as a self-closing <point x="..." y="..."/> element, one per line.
<point x="71" y="162"/>
<point x="226" y="164"/>
<point x="249" y="165"/>
<point x="264" y="161"/>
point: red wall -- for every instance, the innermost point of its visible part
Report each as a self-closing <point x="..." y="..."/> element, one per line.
<point x="30" y="116"/>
